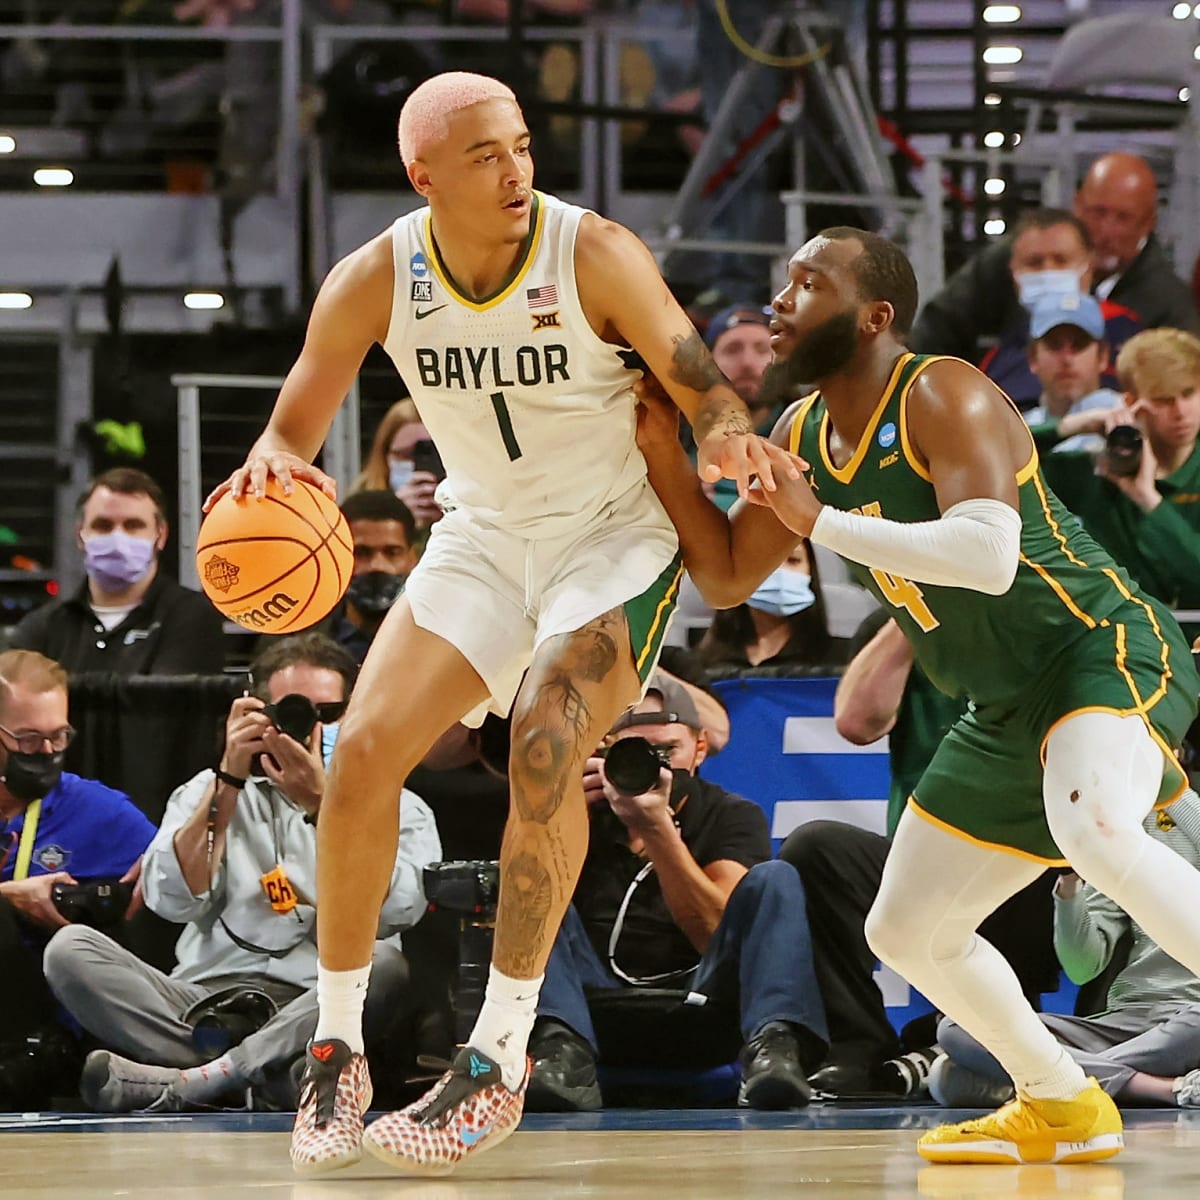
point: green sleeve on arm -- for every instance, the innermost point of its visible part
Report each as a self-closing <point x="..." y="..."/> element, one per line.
<point x="1172" y="545"/>
<point x="1086" y="931"/>
<point x="1072" y="478"/>
<point x="1045" y="436"/>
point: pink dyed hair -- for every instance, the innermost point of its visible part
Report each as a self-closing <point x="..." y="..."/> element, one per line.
<point x="423" y="117"/>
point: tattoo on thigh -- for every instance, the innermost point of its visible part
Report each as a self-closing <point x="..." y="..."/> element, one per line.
<point x="526" y="893"/>
<point x="561" y="720"/>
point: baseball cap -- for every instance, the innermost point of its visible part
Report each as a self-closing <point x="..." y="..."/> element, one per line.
<point x="1067" y="308"/>
<point x="736" y="314"/>
<point x="677" y="707"/>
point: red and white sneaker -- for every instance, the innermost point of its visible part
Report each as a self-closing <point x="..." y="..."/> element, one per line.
<point x="469" y="1110"/>
<point x="335" y="1093"/>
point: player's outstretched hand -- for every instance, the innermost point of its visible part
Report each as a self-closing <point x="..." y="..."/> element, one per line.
<point x="731" y="454"/>
<point x="252" y="477"/>
<point x="792" y="499"/>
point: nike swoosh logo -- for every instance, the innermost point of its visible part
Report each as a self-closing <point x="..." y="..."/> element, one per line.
<point x="422" y="313"/>
<point x="471" y="1138"/>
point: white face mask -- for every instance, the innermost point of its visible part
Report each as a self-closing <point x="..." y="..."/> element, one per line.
<point x="1032" y="286"/>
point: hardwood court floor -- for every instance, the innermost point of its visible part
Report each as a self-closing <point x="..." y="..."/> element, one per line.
<point x="705" y="1155"/>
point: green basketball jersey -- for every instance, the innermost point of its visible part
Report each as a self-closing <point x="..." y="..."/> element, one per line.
<point x="989" y="648"/>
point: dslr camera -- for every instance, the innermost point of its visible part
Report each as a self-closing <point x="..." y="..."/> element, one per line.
<point x="100" y="903"/>
<point x="632" y="764"/>
<point x="1123" y="450"/>
<point x="467" y="886"/>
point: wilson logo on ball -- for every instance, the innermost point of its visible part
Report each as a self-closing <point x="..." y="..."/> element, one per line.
<point x="277" y="607"/>
<point x="221" y="573"/>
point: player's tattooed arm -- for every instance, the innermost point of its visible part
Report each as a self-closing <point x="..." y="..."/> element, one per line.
<point x="692" y="366"/>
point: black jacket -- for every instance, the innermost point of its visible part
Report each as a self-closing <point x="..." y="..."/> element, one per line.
<point x="979" y="301"/>
<point x="174" y="631"/>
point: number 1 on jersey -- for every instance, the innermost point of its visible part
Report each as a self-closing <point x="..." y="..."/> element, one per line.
<point x="506" y="430"/>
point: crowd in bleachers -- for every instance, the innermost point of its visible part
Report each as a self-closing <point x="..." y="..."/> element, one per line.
<point x="157" y="916"/>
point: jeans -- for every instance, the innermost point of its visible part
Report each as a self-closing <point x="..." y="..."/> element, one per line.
<point x="758" y="962"/>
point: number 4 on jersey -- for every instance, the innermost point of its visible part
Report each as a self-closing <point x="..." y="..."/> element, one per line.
<point x="899" y="592"/>
<point x="506" y="429"/>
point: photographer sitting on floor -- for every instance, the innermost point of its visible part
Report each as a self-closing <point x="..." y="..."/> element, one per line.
<point x="236" y="859"/>
<point x="677" y="892"/>
<point x="70" y="850"/>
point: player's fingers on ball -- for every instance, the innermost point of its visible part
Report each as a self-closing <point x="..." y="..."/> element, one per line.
<point x="256" y="481"/>
<point x="282" y="470"/>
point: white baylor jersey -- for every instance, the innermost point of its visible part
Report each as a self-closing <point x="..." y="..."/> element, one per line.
<point x="532" y="412"/>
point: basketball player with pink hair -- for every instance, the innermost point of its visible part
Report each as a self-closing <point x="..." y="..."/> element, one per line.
<point x="544" y="590"/>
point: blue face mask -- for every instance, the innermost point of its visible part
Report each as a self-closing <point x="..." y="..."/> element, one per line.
<point x="329" y="737"/>
<point x="1033" y="286"/>
<point x="783" y="593"/>
<point x="399" y="473"/>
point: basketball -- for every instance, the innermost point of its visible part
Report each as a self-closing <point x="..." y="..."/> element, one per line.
<point x="275" y="565"/>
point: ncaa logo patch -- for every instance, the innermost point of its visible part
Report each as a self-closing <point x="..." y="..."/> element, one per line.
<point x="887" y="436"/>
<point x="418" y="266"/>
<point x="51" y="857"/>
<point x="422" y="289"/>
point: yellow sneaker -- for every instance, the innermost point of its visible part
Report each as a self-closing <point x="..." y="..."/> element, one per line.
<point x="1025" y="1130"/>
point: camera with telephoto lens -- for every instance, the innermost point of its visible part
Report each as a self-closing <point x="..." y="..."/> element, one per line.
<point x="100" y="903"/>
<point x="632" y="765"/>
<point x="466" y="886"/>
<point x="1123" y="449"/>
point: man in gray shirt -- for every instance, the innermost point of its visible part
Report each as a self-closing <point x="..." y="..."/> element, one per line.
<point x="235" y="860"/>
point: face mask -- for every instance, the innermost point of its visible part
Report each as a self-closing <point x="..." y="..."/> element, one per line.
<point x="783" y="593"/>
<point x="1032" y="286"/>
<point x="329" y="737"/>
<point x="32" y="776"/>
<point x="399" y="473"/>
<point x="116" y="560"/>
<point x="374" y="592"/>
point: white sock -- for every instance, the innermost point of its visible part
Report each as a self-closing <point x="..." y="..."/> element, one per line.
<point x="1062" y="1082"/>
<point x="505" y="1022"/>
<point x="340" y="998"/>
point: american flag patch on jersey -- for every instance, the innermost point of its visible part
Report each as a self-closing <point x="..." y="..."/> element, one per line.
<point x="542" y="297"/>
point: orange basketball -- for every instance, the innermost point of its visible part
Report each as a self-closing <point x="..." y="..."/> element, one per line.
<point x="275" y="565"/>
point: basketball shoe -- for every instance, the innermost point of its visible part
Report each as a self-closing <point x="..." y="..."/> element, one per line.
<point x="1083" y="1129"/>
<point x="469" y="1110"/>
<point x="335" y="1093"/>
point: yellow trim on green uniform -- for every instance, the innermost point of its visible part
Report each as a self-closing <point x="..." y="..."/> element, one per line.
<point x="846" y="474"/>
<point x="938" y="823"/>
<point x="796" y="429"/>
<point x="648" y="615"/>
<point x="532" y="241"/>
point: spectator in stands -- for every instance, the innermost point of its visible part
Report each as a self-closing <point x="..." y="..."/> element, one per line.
<point x="740" y="340"/>
<point x="384" y="554"/>
<point x="390" y="464"/>
<point x="1051" y="258"/>
<point x="1068" y="354"/>
<point x="235" y="860"/>
<point x="883" y="692"/>
<point x="127" y="616"/>
<point x="677" y="892"/>
<point x="1148" y="520"/>
<point x="780" y="630"/>
<point x="1117" y="202"/>
<point x="1143" y="1046"/>
<point x="55" y="828"/>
